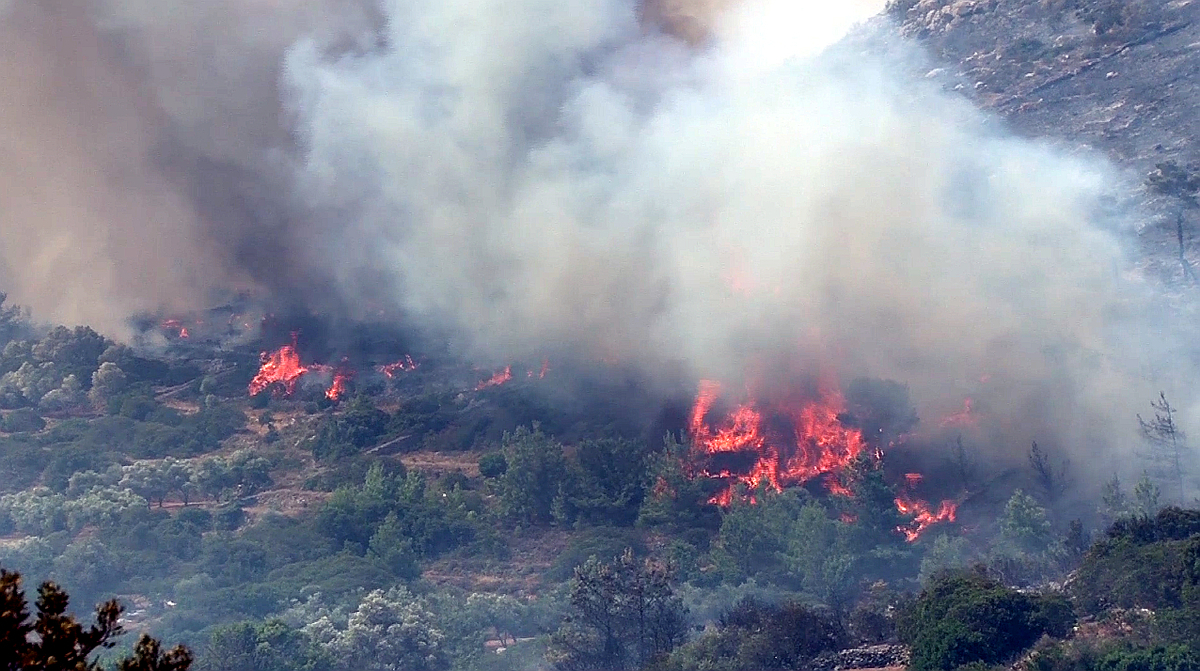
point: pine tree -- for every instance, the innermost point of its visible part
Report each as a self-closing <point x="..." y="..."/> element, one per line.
<point x="1168" y="444"/>
<point x="63" y="644"/>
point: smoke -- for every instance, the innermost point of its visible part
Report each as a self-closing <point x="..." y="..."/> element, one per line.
<point x="144" y="161"/>
<point x="551" y="175"/>
<point x="736" y="188"/>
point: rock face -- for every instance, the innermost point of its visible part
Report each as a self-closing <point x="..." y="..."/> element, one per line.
<point x="868" y="657"/>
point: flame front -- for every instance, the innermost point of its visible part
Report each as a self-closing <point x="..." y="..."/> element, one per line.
<point x="923" y="516"/>
<point x="391" y="370"/>
<point x="496" y="380"/>
<point x="822" y="446"/>
<point x="281" y="367"/>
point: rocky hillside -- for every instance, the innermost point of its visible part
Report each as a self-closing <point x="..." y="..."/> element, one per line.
<point x="1118" y="76"/>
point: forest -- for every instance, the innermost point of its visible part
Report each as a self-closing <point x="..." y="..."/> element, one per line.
<point x="413" y="522"/>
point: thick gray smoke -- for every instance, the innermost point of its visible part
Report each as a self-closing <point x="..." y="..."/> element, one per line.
<point x="143" y="158"/>
<point x="561" y="175"/>
<point x="542" y="174"/>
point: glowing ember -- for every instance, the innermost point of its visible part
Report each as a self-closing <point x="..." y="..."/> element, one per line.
<point x="496" y="380"/>
<point x="962" y="417"/>
<point x="923" y="516"/>
<point x="175" y="326"/>
<point x="281" y="367"/>
<point x="541" y="374"/>
<point x="820" y="446"/>
<point x="391" y="370"/>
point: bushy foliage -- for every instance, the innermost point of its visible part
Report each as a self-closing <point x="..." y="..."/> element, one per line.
<point x="398" y="507"/>
<point x="1116" y="655"/>
<point x="22" y="420"/>
<point x="968" y="617"/>
<point x="493" y="465"/>
<point x="388" y="630"/>
<point x="271" y="645"/>
<point x="1148" y="562"/>
<point x="350" y="432"/>
<point x="756" y="636"/>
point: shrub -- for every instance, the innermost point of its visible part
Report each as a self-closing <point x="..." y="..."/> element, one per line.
<point x="756" y="636"/>
<point x="492" y="465"/>
<point x="968" y="617"/>
<point x="21" y="421"/>
<point x="1143" y="562"/>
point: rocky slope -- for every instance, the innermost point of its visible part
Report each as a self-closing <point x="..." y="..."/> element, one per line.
<point x="1118" y="76"/>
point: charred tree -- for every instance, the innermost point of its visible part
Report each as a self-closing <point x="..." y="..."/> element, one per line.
<point x="1175" y="181"/>
<point x="1050" y="476"/>
<point x="1167" y="445"/>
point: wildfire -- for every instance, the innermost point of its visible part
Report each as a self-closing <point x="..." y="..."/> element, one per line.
<point x="391" y="370"/>
<point x="542" y="373"/>
<point x="281" y="367"/>
<point x="819" y="445"/>
<point x="337" y="388"/>
<point x="923" y="515"/>
<point x="751" y="446"/>
<point x="496" y="380"/>
<point x="175" y="326"/>
<point x="963" y="417"/>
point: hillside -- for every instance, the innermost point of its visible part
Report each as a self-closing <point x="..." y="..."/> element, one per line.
<point x="1113" y="77"/>
<point x="291" y="490"/>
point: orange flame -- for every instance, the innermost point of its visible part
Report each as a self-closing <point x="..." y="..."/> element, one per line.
<point x="337" y="388"/>
<point x="822" y="445"/>
<point x="542" y="373"/>
<point x="923" y="516"/>
<point x="496" y="380"/>
<point x="175" y="326"/>
<point x="281" y="367"/>
<point x="391" y="370"/>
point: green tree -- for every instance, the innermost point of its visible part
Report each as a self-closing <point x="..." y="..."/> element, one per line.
<point x="945" y="554"/>
<point x="109" y="381"/>
<point x="391" y="546"/>
<point x="1146" y="497"/>
<point x="611" y="482"/>
<point x="624" y="615"/>
<point x="1114" y="503"/>
<point x="537" y="474"/>
<point x="55" y="641"/>
<point x="756" y="636"/>
<point x="14" y="321"/>
<point x="387" y="631"/>
<point x="1024" y="526"/>
<point x="676" y="499"/>
<point x="754" y="537"/>
<point x="261" y="646"/>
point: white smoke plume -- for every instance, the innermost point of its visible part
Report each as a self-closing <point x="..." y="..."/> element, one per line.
<point x="546" y="174"/>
